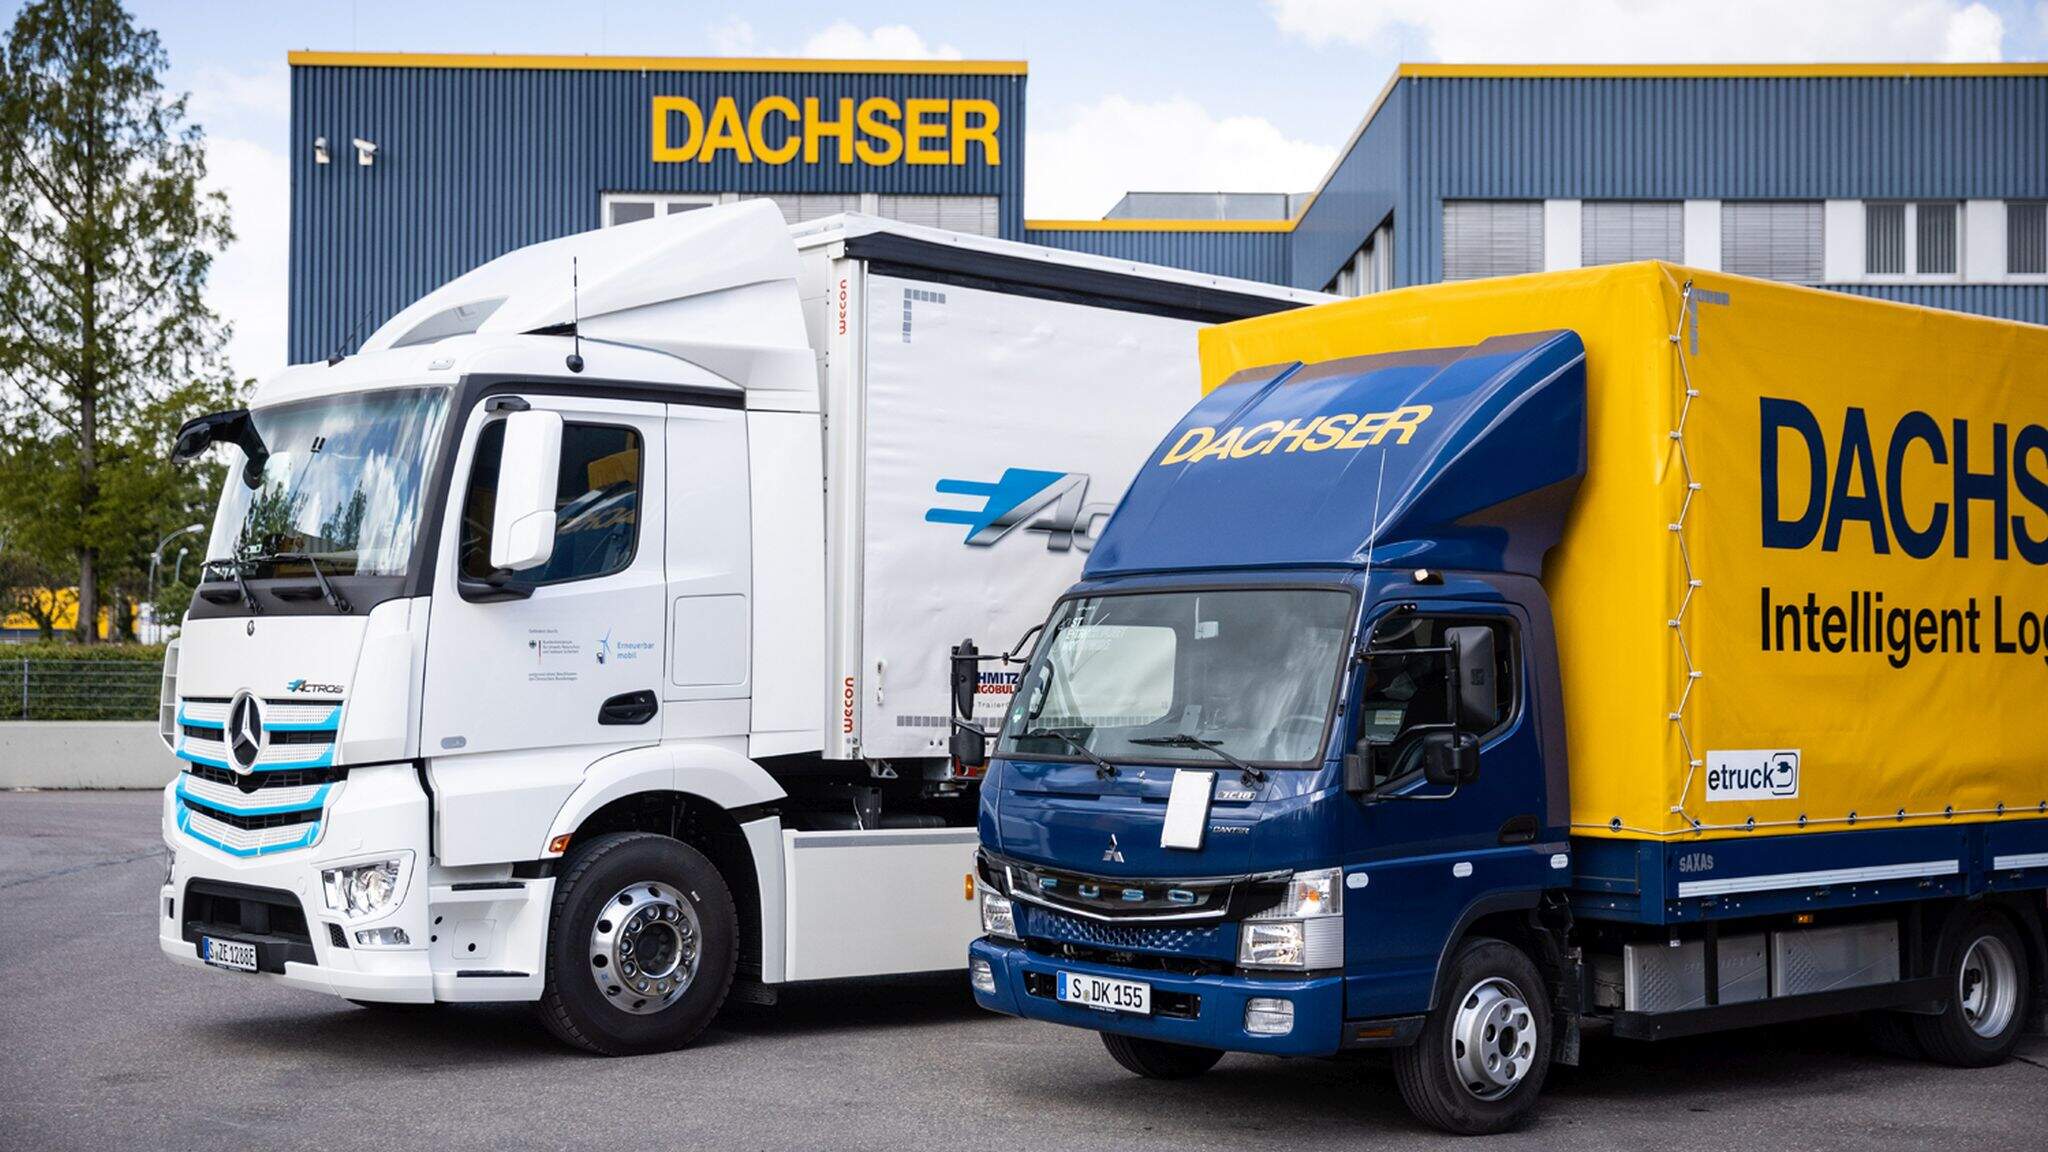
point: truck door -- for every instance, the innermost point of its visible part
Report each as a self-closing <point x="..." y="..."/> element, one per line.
<point x="527" y="685"/>
<point x="1430" y="856"/>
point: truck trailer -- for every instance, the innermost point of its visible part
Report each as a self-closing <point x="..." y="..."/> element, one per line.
<point x="1633" y="650"/>
<point x="582" y="638"/>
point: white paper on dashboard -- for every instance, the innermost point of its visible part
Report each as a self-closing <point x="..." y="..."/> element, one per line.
<point x="1187" y="809"/>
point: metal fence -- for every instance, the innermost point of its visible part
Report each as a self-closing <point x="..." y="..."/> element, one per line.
<point x="79" y="689"/>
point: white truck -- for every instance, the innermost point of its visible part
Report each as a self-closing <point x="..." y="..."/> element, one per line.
<point x="583" y="638"/>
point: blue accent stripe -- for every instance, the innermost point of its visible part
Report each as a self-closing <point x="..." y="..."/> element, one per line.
<point x="332" y="720"/>
<point x="185" y="826"/>
<point x="318" y="800"/>
<point x="198" y="723"/>
<point x="195" y="758"/>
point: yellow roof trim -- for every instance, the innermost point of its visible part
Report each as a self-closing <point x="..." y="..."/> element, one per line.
<point x="1717" y="71"/>
<point x="653" y="63"/>
<point x="1140" y="225"/>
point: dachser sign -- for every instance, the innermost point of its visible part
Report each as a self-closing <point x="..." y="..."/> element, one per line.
<point x="878" y="131"/>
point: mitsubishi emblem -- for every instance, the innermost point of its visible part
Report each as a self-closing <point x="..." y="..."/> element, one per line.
<point x="1113" y="853"/>
<point x="244" y="734"/>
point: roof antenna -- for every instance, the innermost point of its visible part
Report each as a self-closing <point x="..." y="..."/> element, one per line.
<point x="341" y="350"/>
<point x="575" y="360"/>
<point x="1372" y="542"/>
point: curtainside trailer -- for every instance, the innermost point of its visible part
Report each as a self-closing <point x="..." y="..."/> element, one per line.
<point x="1638" y="650"/>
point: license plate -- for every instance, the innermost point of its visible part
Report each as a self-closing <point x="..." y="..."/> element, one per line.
<point x="228" y="954"/>
<point x="1104" y="994"/>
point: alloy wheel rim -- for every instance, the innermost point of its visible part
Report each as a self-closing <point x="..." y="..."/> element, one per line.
<point x="644" y="947"/>
<point x="1493" y="1039"/>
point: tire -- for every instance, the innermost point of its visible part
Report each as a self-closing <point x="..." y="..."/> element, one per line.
<point x="616" y="891"/>
<point x="1984" y="961"/>
<point x="1159" y="1060"/>
<point x="1476" y="1068"/>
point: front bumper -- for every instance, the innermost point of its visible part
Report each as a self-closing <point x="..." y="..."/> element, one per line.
<point x="1217" y="1021"/>
<point x="380" y="813"/>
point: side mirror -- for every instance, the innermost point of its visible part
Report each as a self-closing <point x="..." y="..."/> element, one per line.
<point x="198" y="434"/>
<point x="523" y="522"/>
<point x="969" y="747"/>
<point x="1450" y="758"/>
<point x="1472" y="664"/>
<point x="1358" y="770"/>
<point x="966" y="678"/>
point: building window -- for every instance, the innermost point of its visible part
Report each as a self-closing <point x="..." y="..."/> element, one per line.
<point x="977" y="215"/>
<point x="1912" y="239"/>
<point x="632" y="207"/>
<point x="1370" y="269"/>
<point x="2026" y="238"/>
<point x="1772" y="239"/>
<point x="1492" y="238"/>
<point x="1618" y="231"/>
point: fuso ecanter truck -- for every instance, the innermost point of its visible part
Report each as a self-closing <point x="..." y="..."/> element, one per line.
<point x="582" y="639"/>
<point x="1476" y="667"/>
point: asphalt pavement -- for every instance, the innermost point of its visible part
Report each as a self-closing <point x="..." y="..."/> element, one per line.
<point x="105" y="1044"/>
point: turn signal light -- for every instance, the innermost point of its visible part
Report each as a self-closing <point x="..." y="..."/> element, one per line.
<point x="559" y="845"/>
<point x="967" y="886"/>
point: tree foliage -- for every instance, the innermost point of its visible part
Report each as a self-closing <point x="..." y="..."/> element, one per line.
<point x="105" y="342"/>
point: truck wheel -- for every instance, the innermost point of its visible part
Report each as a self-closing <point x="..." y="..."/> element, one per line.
<point x="1485" y="1050"/>
<point x="642" y="945"/>
<point x="1986" y="964"/>
<point x="1158" y="1060"/>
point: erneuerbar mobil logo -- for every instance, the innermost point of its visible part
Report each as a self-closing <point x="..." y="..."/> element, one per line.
<point x="1054" y="503"/>
<point x="1753" y="774"/>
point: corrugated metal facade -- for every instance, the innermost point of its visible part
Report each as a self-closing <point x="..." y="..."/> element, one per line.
<point x="1246" y="255"/>
<point x="1639" y="137"/>
<point x="473" y="162"/>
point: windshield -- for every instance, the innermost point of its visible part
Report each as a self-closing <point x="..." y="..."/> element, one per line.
<point x="1182" y="676"/>
<point x="343" y="483"/>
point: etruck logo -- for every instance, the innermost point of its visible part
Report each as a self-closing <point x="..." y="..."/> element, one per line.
<point x="1054" y="503"/>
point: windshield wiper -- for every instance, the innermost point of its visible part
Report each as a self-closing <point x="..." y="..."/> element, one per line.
<point x="234" y="571"/>
<point x="334" y="599"/>
<point x="1103" y="768"/>
<point x="1252" y="773"/>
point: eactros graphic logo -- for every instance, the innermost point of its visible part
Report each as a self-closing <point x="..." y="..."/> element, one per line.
<point x="1055" y="503"/>
<point x="1753" y="774"/>
<point x="310" y="687"/>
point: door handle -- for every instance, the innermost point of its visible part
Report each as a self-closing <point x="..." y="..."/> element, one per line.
<point x="629" y="708"/>
<point x="1519" y="830"/>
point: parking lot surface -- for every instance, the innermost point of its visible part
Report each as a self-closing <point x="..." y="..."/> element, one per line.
<point x="104" y="1044"/>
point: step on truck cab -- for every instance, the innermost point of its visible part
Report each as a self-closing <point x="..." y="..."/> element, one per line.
<point x="581" y="638"/>
<point x="1633" y="650"/>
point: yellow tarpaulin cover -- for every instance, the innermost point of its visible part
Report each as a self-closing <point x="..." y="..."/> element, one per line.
<point x="1861" y="645"/>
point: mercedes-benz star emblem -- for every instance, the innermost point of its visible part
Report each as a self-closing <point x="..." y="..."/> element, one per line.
<point x="244" y="735"/>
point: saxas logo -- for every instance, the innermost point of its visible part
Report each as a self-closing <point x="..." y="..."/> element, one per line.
<point x="1055" y="503"/>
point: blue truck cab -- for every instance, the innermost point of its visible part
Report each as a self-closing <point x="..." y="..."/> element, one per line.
<point x="1285" y="772"/>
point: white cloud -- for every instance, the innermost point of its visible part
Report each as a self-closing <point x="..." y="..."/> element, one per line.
<point x="1654" y="31"/>
<point x="735" y="37"/>
<point x="847" y="41"/>
<point x="1080" y="168"/>
<point x="245" y="117"/>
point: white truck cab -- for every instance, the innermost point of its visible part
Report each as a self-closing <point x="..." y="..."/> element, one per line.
<point x="583" y="638"/>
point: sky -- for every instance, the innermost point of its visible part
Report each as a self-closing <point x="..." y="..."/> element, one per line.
<point x="1252" y="95"/>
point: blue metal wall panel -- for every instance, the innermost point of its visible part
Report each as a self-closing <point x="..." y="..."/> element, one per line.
<point x="1361" y="192"/>
<point x="1245" y="255"/>
<point x="2028" y="302"/>
<point x="475" y="162"/>
<point x="1949" y="137"/>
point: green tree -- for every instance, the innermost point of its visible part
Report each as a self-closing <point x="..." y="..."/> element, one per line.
<point x="105" y="343"/>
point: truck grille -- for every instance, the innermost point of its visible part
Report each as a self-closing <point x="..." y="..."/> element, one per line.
<point x="1207" y="941"/>
<point x="278" y="804"/>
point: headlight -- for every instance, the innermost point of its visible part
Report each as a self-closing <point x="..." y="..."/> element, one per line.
<point x="359" y="890"/>
<point x="997" y="917"/>
<point x="1305" y="930"/>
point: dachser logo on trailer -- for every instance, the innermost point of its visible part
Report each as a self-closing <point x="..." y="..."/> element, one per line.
<point x="1921" y="489"/>
<point x="1339" y="430"/>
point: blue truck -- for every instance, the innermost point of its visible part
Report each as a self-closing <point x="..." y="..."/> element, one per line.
<point x="1460" y="678"/>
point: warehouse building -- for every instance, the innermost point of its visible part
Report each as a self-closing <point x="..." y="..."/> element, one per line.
<point x="1922" y="183"/>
